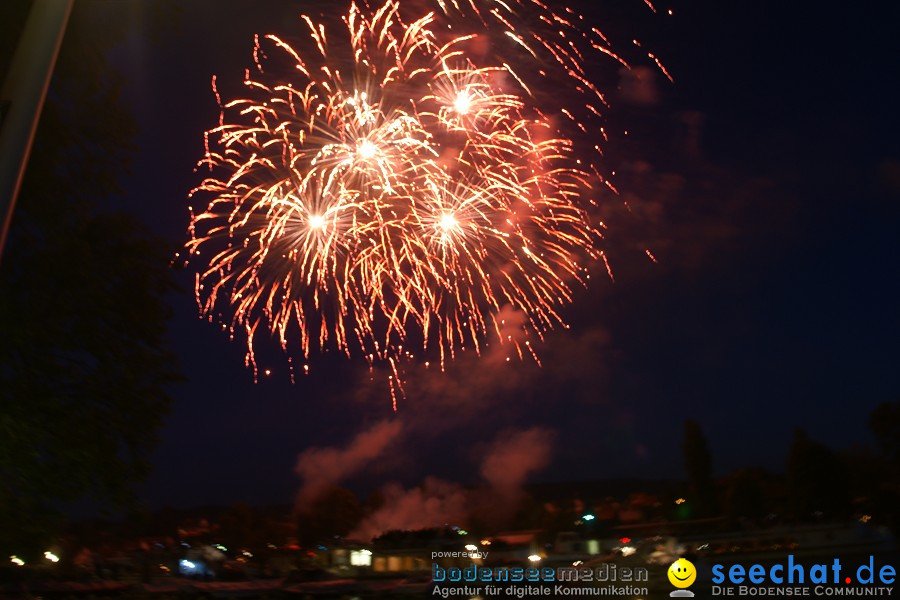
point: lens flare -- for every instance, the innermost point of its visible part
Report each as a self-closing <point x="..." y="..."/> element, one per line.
<point x="389" y="188"/>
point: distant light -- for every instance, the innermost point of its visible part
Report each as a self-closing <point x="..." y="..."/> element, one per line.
<point x="534" y="558"/>
<point x="361" y="558"/>
<point x="625" y="540"/>
<point x="51" y="557"/>
<point x="485" y="542"/>
<point x="628" y="550"/>
<point x="462" y="532"/>
<point x="680" y="501"/>
<point x="588" y="517"/>
<point x="220" y="546"/>
<point x="865" y="518"/>
<point x="16" y="561"/>
<point x="471" y="547"/>
<point x="577" y="562"/>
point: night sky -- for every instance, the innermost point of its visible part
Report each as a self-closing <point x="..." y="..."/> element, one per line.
<point x="765" y="181"/>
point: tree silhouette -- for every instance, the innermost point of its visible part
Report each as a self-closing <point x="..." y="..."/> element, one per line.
<point x="745" y="496"/>
<point x="242" y="526"/>
<point x="816" y="479"/>
<point x="334" y="513"/>
<point x="698" y="464"/>
<point x="884" y="423"/>
<point x="84" y="371"/>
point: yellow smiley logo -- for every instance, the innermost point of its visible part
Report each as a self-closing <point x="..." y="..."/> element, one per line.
<point x="682" y="573"/>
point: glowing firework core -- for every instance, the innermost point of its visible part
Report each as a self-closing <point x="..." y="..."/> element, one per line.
<point x="448" y="222"/>
<point x="463" y="103"/>
<point x="316" y="221"/>
<point x="366" y="150"/>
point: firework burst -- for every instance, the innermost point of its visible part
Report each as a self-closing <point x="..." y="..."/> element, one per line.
<point x="397" y="186"/>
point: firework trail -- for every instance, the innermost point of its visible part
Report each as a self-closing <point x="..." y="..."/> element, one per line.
<point x="397" y="183"/>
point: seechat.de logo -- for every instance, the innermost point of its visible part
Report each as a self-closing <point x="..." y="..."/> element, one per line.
<point x="682" y="574"/>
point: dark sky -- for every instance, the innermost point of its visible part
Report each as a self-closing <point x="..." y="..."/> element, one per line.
<point x="765" y="181"/>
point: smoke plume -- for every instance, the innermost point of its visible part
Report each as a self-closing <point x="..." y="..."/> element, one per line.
<point x="322" y="468"/>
